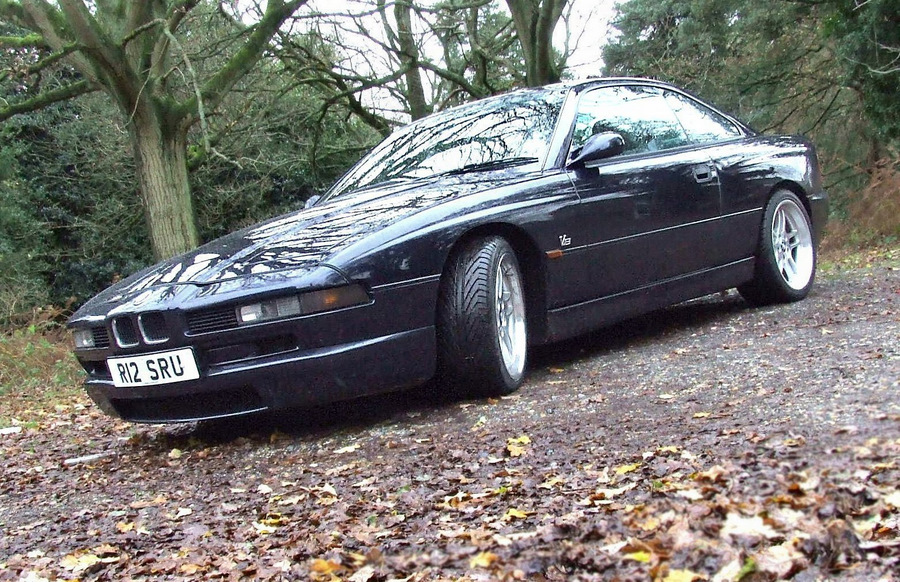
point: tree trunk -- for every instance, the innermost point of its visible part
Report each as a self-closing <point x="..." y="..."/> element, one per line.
<point x="409" y="57"/>
<point x="162" y="172"/>
<point x="535" y="21"/>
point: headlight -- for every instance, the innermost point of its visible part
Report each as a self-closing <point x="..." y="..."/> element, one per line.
<point x="303" y="304"/>
<point x="84" y="338"/>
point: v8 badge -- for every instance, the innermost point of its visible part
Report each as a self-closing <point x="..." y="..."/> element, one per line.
<point x="564" y="240"/>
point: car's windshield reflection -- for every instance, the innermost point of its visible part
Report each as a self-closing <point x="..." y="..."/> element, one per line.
<point x="514" y="127"/>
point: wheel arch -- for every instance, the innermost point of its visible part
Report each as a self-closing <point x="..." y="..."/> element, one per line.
<point x="531" y="262"/>
<point x="796" y="189"/>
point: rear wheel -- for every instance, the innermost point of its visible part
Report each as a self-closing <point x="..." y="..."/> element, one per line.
<point x="786" y="256"/>
<point x="482" y="333"/>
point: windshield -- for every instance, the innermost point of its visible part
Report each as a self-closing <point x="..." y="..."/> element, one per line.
<point x="497" y="132"/>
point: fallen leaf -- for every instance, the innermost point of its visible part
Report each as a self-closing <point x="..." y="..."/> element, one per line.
<point x="183" y="512"/>
<point x="292" y="500"/>
<point x="699" y="415"/>
<point x="614" y="548"/>
<point x="753" y="528"/>
<point x="320" y="566"/>
<point x="682" y="576"/>
<point x="347" y="449"/>
<point x="622" y="469"/>
<point x="690" y="494"/>
<point x="175" y="453"/>
<point x="79" y="562"/>
<point x="513" y="513"/>
<point x="551" y="483"/>
<point x="713" y="474"/>
<point x="603" y="496"/>
<point x="515" y="446"/>
<point x="729" y="572"/>
<point x="191" y="569"/>
<point x="263" y="528"/>
<point x="781" y="560"/>
<point x="274" y="519"/>
<point x="483" y="560"/>
<point x="515" y="450"/>
<point x="642" y="557"/>
<point x="365" y="482"/>
<point x="364" y="574"/>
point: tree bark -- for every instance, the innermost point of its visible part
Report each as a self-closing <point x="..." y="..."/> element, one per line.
<point x="159" y="155"/>
<point x="535" y="21"/>
<point x="409" y="59"/>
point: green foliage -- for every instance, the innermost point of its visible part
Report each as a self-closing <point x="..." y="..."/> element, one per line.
<point x="22" y="243"/>
<point x="786" y="67"/>
<point x="76" y="174"/>
<point x="867" y="39"/>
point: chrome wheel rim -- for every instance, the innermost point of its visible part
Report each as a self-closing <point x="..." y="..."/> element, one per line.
<point x="510" y="317"/>
<point x="792" y="243"/>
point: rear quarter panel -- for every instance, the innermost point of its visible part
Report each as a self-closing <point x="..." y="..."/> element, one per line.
<point x="750" y="170"/>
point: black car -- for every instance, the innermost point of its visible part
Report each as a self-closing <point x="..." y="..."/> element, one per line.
<point x="455" y="244"/>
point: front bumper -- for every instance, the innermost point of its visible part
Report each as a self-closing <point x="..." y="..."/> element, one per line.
<point x="293" y="379"/>
<point x="338" y="355"/>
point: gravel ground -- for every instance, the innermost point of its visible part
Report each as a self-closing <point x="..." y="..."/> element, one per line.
<point x="708" y="441"/>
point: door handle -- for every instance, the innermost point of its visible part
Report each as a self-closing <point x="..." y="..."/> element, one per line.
<point x="704" y="173"/>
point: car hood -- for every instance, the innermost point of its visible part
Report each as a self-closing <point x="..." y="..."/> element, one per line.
<point x="289" y="245"/>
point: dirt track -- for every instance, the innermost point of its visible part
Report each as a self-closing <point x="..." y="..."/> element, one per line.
<point x="707" y="441"/>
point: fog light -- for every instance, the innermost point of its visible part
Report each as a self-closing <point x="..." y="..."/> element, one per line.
<point x="84" y="339"/>
<point x="250" y="313"/>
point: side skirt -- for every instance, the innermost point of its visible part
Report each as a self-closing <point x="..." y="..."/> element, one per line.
<point x="574" y="320"/>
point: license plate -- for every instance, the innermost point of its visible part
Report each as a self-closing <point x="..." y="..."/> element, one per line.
<point x="153" y="369"/>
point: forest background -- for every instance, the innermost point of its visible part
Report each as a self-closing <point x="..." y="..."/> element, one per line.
<point x="135" y="130"/>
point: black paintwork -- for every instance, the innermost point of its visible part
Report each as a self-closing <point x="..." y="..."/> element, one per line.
<point x="627" y="234"/>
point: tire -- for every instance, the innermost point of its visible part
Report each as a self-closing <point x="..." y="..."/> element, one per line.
<point x="786" y="255"/>
<point x="482" y="335"/>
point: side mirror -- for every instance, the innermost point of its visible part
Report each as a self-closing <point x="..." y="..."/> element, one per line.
<point x="598" y="147"/>
<point x="311" y="201"/>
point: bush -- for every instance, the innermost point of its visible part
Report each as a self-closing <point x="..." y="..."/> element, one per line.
<point x="23" y="245"/>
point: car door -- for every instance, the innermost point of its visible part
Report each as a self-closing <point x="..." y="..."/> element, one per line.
<point x="647" y="215"/>
<point x="740" y="183"/>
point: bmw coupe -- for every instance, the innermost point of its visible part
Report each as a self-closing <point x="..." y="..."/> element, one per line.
<point x="456" y="244"/>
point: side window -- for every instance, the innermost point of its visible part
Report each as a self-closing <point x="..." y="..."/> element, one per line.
<point x="639" y="114"/>
<point x="701" y="123"/>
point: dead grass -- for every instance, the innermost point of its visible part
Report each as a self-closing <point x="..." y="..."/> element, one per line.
<point x="873" y="216"/>
<point x="38" y="373"/>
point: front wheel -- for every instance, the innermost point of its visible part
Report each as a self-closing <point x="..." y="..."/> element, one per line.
<point x="482" y="333"/>
<point x="786" y="255"/>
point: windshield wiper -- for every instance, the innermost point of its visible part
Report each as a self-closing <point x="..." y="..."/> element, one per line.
<point x="490" y="165"/>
